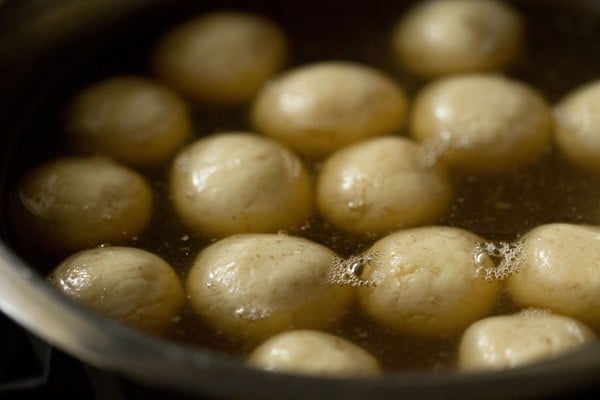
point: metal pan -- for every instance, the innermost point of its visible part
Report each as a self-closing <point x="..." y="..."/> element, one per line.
<point x="45" y="45"/>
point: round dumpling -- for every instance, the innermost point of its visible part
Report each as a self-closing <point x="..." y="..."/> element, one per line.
<point x="237" y="182"/>
<point x="380" y="185"/>
<point x="133" y="120"/>
<point x="127" y="284"/>
<point x="73" y="203"/>
<point x="508" y="341"/>
<point x="318" y="108"/>
<point x="560" y="271"/>
<point x="439" y="37"/>
<point x="577" y="119"/>
<point x="483" y="123"/>
<point x="313" y="353"/>
<point x="425" y="281"/>
<point x="222" y="57"/>
<point x="258" y="285"/>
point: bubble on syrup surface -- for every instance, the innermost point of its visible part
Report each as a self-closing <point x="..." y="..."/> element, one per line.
<point x="497" y="260"/>
<point x="349" y="271"/>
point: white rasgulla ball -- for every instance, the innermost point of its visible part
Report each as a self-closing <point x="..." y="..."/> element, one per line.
<point x="134" y="120"/>
<point x="238" y="182"/>
<point x="257" y="285"/>
<point x="222" y="57"/>
<point x="577" y="118"/>
<point x="483" y="123"/>
<point x="320" y="107"/>
<point x="127" y="284"/>
<point x="382" y="184"/>
<point x="73" y="203"/>
<point x="442" y="37"/>
<point x="509" y="341"/>
<point x="311" y="352"/>
<point x="560" y="271"/>
<point x="424" y="281"/>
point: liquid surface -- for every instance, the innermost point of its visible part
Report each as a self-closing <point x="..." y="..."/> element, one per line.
<point x="499" y="208"/>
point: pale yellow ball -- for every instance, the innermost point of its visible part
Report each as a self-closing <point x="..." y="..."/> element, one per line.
<point x="127" y="284"/>
<point x="321" y="107"/>
<point x="424" y="281"/>
<point x="73" y="203"/>
<point x="257" y="285"/>
<point x="223" y="57"/>
<point x="309" y="352"/>
<point x="508" y="341"/>
<point x="238" y="182"/>
<point x="441" y="37"/>
<point x="577" y="118"/>
<point x="380" y="185"/>
<point x="133" y="120"/>
<point x="561" y="271"/>
<point x="483" y="123"/>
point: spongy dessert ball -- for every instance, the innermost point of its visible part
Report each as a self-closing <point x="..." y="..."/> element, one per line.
<point x="127" y="284"/>
<point x="313" y="353"/>
<point x="508" y="341"/>
<point x="320" y="107"/>
<point x="439" y="37"/>
<point x="222" y="57"/>
<point x="257" y="285"/>
<point x="381" y="184"/>
<point x="483" y="123"/>
<point x="560" y="271"/>
<point x="577" y="118"/>
<point x="238" y="182"/>
<point x="424" y="281"/>
<point x="73" y="203"/>
<point x="131" y="119"/>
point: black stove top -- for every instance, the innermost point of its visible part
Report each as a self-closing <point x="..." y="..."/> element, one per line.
<point x="32" y="369"/>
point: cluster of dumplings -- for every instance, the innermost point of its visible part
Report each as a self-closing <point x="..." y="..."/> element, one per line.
<point x="326" y="141"/>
